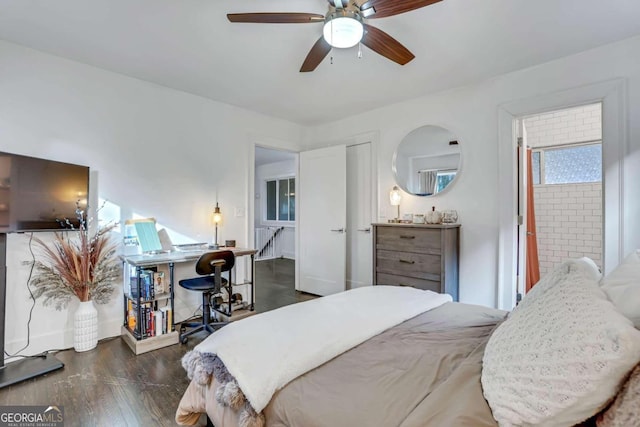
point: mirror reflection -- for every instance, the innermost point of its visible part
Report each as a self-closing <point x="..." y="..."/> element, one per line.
<point x="427" y="161"/>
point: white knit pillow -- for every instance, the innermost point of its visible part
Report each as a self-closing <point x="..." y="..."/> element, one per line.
<point x="560" y="356"/>
<point x="622" y="286"/>
<point x="584" y="265"/>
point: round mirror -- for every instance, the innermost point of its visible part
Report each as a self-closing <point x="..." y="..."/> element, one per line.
<point x="427" y="161"/>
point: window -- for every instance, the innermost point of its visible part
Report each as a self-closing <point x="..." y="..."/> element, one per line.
<point x="443" y="179"/>
<point x="281" y="198"/>
<point x="568" y="165"/>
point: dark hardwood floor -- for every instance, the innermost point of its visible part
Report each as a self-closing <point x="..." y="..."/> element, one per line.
<point x="110" y="386"/>
<point x="275" y="285"/>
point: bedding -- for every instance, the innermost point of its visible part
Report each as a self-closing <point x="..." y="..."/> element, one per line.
<point x="625" y="409"/>
<point x="265" y="352"/>
<point x="404" y="376"/>
<point x="435" y="369"/>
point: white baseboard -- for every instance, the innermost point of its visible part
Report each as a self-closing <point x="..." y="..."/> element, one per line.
<point x="58" y="340"/>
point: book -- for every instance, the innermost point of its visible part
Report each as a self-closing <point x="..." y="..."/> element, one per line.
<point x="159" y="327"/>
<point x="152" y="323"/>
<point x="159" y="285"/>
<point x="131" y="316"/>
<point x="166" y="319"/>
<point x="146" y="286"/>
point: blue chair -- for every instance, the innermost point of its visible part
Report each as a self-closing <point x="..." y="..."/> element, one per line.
<point x="210" y="267"/>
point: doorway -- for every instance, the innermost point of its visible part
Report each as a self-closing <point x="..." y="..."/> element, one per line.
<point x="614" y="140"/>
<point x="274" y="223"/>
<point x="560" y="184"/>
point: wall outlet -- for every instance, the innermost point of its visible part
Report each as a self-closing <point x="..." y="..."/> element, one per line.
<point x="239" y="212"/>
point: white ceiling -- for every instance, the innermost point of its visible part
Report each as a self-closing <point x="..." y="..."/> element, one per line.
<point x="189" y="45"/>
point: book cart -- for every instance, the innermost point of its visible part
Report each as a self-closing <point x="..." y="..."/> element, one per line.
<point x="149" y="321"/>
<point x="148" y="305"/>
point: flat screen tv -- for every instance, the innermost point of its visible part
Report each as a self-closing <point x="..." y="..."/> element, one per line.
<point x="39" y="194"/>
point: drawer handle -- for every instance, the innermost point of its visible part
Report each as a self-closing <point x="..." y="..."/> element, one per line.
<point x="406" y="261"/>
<point x="404" y="236"/>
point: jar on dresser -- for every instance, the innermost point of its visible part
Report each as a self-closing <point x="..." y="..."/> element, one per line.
<point x="423" y="256"/>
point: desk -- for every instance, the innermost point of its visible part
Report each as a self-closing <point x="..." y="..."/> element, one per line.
<point x="136" y="338"/>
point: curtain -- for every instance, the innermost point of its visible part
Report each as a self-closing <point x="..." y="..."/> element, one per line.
<point x="532" y="262"/>
<point x="427" y="182"/>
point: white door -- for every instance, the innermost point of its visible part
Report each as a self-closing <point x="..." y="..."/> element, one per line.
<point x="359" y="249"/>
<point x="322" y="220"/>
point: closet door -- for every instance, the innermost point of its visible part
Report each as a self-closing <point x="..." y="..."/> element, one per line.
<point x="359" y="208"/>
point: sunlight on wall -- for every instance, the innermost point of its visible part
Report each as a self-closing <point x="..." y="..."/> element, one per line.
<point x="109" y="212"/>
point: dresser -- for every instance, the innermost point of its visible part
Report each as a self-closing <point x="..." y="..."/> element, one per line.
<point x="424" y="256"/>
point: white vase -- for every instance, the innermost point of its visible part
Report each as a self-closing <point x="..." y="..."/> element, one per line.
<point x="85" y="327"/>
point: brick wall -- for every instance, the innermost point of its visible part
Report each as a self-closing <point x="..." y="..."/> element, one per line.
<point x="568" y="222"/>
<point x="568" y="216"/>
<point x="568" y="126"/>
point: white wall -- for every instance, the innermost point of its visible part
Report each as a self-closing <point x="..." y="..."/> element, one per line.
<point x="471" y="113"/>
<point x="158" y="152"/>
<point x="286" y="239"/>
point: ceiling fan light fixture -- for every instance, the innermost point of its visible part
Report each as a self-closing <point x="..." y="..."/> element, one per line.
<point x="343" y="29"/>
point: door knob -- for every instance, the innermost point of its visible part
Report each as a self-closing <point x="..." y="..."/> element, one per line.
<point x="339" y="230"/>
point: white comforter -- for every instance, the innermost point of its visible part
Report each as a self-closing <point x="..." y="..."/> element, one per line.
<point x="267" y="351"/>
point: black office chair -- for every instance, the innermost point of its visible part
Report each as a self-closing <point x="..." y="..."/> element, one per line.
<point x="210" y="266"/>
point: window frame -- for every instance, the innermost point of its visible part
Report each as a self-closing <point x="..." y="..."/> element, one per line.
<point x="542" y="150"/>
<point x="445" y="172"/>
<point x="265" y="203"/>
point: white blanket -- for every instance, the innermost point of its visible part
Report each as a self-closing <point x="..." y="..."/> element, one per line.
<point x="267" y="351"/>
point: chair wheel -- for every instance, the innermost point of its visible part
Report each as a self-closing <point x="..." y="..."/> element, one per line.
<point x="217" y="301"/>
<point x="183" y="340"/>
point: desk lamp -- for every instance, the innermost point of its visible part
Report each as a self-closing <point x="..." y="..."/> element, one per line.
<point x="394" y="199"/>
<point x="217" y="217"/>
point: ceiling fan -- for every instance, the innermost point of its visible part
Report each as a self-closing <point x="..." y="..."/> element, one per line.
<point x="344" y="27"/>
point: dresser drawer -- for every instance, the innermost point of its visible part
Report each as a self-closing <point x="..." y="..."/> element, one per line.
<point x="421" y="256"/>
<point x="421" y="266"/>
<point x="389" y="279"/>
<point x="409" y="239"/>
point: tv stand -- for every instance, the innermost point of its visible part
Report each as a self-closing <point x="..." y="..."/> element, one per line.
<point x="25" y="369"/>
<point x="29" y="367"/>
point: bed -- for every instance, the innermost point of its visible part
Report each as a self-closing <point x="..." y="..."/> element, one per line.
<point x="458" y="364"/>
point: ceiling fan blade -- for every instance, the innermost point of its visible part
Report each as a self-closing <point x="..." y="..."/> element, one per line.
<point x="317" y="53"/>
<point x="275" y="18"/>
<point x="339" y="3"/>
<point x="384" y="8"/>
<point x="382" y="43"/>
